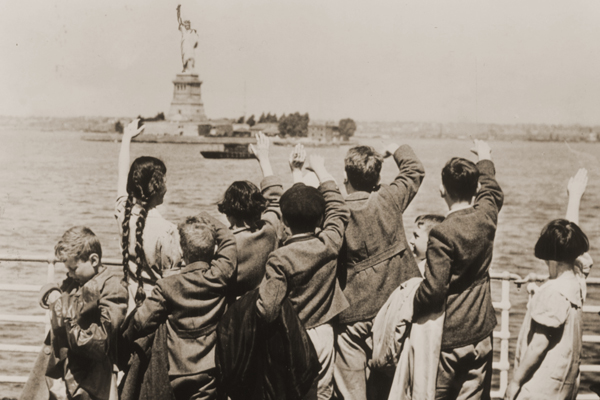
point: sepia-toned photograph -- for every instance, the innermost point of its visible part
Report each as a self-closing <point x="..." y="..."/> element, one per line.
<point x="299" y="200"/>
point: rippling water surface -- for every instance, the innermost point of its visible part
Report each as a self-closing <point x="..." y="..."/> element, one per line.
<point x="50" y="181"/>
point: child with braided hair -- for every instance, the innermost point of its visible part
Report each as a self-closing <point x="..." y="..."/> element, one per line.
<point x="150" y="244"/>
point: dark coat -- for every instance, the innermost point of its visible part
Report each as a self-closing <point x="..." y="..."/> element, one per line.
<point x="376" y="258"/>
<point x="254" y="247"/>
<point x="459" y="256"/>
<point x="257" y="360"/>
<point x="148" y="375"/>
<point x="191" y="303"/>
<point x="304" y="270"/>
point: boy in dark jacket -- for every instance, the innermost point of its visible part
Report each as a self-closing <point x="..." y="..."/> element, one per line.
<point x="375" y="258"/>
<point x="459" y="255"/>
<point x="191" y="304"/>
<point x="304" y="270"/>
<point x="87" y="310"/>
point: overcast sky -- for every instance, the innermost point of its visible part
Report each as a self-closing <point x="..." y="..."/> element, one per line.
<point x="466" y="61"/>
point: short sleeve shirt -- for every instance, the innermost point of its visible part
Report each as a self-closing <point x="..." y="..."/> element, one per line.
<point x="556" y="305"/>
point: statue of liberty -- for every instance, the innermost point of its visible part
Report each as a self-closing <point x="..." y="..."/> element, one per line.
<point x="189" y="42"/>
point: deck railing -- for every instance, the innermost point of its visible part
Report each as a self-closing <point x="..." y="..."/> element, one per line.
<point x="504" y="305"/>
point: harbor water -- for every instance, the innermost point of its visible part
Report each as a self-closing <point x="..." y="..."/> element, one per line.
<point x="50" y="181"/>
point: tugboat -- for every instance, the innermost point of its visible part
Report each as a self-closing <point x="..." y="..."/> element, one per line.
<point x="229" y="150"/>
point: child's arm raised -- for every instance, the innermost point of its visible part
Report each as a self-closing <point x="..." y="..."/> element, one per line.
<point x="431" y="294"/>
<point x="261" y="152"/>
<point x="337" y="213"/>
<point x="576" y="189"/>
<point x="530" y="361"/>
<point x="489" y="196"/>
<point x="272" y="290"/>
<point x="224" y="262"/>
<point x="410" y="175"/>
<point x="129" y="133"/>
<point x="297" y="158"/>
<point x="272" y="189"/>
<point x="148" y="317"/>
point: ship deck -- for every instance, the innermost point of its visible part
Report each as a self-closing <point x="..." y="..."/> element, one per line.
<point x="501" y="365"/>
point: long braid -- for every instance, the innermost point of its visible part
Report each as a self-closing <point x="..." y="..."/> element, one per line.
<point x="140" y="258"/>
<point x="146" y="180"/>
<point x="125" y="236"/>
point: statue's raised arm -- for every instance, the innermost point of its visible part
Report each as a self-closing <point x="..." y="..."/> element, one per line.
<point x="179" y="21"/>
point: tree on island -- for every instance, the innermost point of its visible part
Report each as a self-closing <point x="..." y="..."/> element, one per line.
<point x="251" y="120"/>
<point x="158" y="117"/>
<point x="118" y="127"/>
<point x="268" y="118"/>
<point x="347" y="128"/>
<point x="294" y="125"/>
<point x="241" y="120"/>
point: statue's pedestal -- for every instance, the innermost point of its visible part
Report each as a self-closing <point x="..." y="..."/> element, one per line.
<point x="187" y="105"/>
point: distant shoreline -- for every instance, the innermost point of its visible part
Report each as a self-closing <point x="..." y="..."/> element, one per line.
<point x="365" y="129"/>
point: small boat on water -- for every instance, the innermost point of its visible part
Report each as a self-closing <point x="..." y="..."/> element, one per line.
<point x="229" y="150"/>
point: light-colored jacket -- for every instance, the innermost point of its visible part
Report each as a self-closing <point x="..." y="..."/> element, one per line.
<point x="392" y="324"/>
<point x="409" y="349"/>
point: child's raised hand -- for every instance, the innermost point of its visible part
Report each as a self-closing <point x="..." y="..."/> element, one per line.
<point x="390" y="149"/>
<point x="317" y="165"/>
<point x="132" y="129"/>
<point x="482" y="150"/>
<point x="297" y="158"/>
<point x="261" y="150"/>
<point x="578" y="183"/>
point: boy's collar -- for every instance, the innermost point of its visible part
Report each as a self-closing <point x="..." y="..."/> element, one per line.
<point x="300" y="237"/>
<point x="460" y="208"/>
<point x="240" y="229"/>
<point x="354" y="196"/>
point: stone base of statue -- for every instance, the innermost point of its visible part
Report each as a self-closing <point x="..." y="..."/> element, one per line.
<point x="187" y="105"/>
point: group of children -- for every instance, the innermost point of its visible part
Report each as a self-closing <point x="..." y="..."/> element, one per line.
<point x="336" y="260"/>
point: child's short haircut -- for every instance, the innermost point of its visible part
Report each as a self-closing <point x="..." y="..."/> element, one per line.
<point x="363" y="166"/>
<point x="460" y="178"/>
<point x="561" y="240"/>
<point x="302" y="207"/>
<point x="197" y="239"/>
<point x="77" y="243"/>
<point x="428" y="221"/>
